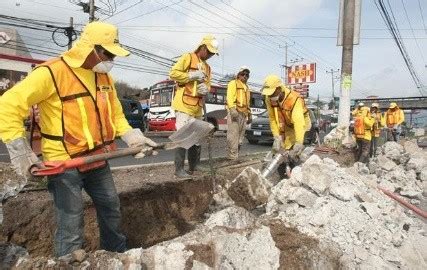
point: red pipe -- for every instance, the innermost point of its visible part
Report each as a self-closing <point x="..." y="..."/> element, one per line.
<point x="400" y="200"/>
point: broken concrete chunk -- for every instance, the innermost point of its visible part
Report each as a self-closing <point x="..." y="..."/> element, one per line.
<point x="232" y="217"/>
<point x="385" y="163"/>
<point x="341" y="192"/>
<point x="78" y="255"/>
<point x="249" y="189"/>
<point x="302" y="197"/>
<point x="371" y="209"/>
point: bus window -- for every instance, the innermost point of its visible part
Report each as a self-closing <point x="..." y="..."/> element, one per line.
<point x="211" y="98"/>
<point x="257" y="101"/>
<point x="219" y="98"/>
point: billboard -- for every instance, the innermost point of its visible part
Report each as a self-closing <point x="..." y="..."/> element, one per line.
<point x="304" y="73"/>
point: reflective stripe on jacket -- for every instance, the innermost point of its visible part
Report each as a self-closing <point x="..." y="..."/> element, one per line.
<point x="87" y="122"/>
<point x="186" y="99"/>
<point x="238" y="96"/>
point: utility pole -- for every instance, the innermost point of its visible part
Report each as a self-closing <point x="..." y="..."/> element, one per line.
<point x="70" y="33"/>
<point x="347" y="63"/>
<point x="285" y="66"/>
<point x="91" y="10"/>
<point x="332" y="71"/>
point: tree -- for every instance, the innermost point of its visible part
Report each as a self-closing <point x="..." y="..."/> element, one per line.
<point x="124" y="90"/>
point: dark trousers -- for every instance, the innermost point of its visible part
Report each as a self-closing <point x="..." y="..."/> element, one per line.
<point x="362" y="154"/>
<point x="66" y="190"/>
<point x="374" y="144"/>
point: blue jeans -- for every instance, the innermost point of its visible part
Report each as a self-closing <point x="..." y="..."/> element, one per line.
<point x="66" y="190"/>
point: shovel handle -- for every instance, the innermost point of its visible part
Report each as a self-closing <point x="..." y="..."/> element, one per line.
<point x="57" y="167"/>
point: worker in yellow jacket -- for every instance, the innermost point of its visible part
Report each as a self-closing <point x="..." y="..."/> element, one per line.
<point x="193" y="77"/>
<point x="376" y="128"/>
<point x="360" y="107"/>
<point x="286" y="113"/>
<point x="239" y="111"/>
<point x="394" y="118"/>
<point x="80" y="115"/>
<point x="363" y="122"/>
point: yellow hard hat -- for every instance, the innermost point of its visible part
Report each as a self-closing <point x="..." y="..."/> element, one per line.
<point x="393" y="105"/>
<point x="271" y="82"/>
<point x="375" y="105"/>
<point x="211" y="43"/>
<point x="94" y="33"/>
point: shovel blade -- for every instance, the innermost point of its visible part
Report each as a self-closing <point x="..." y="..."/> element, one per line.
<point x="191" y="133"/>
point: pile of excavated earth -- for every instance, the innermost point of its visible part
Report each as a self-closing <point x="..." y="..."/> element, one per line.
<point x="325" y="216"/>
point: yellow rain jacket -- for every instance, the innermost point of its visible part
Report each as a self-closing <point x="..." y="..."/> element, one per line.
<point x="238" y="96"/>
<point x="79" y="111"/>
<point x="287" y="118"/>
<point x="395" y="117"/>
<point x="186" y="99"/>
<point x="368" y="122"/>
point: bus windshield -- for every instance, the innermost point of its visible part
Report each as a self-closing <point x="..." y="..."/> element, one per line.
<point x="161" y="97"/>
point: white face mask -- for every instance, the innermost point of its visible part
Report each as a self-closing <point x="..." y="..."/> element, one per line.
<point x="103" y="67"/>
<point x="275" y="99"/>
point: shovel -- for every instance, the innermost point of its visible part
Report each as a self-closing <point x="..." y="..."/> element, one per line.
<point x="190" y="134"/>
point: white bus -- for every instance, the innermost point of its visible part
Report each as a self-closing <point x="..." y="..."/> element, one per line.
<point x="161" y="117"/>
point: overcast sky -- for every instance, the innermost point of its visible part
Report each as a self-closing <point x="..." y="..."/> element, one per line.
<point x="254" y="33"/>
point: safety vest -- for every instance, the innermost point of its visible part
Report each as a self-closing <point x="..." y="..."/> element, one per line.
<point x="242" y="97"/>
<point x="87" y="123"/>
<point x="392" y="117"/>
<point x="283" y="111"/>
<point x="359" y="125"/>
<point x="190" y="96"/>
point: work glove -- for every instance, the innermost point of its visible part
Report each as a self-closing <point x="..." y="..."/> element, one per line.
<point x="202" y="89"/>
<point x="234" y="114"/>
<point x="22" y="157"/>
<point x="295" y="152"/>
<point x="134" y="138"/>
<point x="277" y="144"/>
<point x="197" y="75"/>
<point x="249" y="120"/>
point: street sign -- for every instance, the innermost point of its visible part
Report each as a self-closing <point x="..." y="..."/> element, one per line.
<point x="305" y="73"/>
<point x="302" y="89"/>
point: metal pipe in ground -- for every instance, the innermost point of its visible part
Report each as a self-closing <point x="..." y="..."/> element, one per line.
<point x="400" y="200"/>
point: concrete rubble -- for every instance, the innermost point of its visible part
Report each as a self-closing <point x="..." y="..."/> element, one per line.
<point x="324" y="217"/>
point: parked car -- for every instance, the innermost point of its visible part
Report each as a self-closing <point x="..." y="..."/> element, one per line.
<point x="134" y="113"/>
<point x="259" y="130"/>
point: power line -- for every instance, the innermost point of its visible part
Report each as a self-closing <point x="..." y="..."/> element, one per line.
<point x="422" y="16"/>
<point x="413" y="33"/>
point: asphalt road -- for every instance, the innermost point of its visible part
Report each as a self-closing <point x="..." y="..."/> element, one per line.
<point x="218" y="146"/>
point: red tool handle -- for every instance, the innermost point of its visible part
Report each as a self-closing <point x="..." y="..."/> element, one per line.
<point x="408" y="205"/>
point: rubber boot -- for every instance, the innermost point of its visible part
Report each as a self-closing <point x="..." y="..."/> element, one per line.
<point x="193" y="158"/>
<point x="179" y="164"/>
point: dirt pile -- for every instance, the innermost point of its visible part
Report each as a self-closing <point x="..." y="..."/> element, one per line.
<point x="342" y="207"/>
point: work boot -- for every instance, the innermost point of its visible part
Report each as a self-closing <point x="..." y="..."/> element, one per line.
<point x="193" y="158"/>
<point x="180" y="173"/>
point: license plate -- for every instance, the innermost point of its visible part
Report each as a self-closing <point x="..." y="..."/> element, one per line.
<point x="257" y="133"/>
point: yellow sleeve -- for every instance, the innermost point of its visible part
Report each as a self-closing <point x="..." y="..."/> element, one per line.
<point x="354" y="112"/>
<point x="402" y="117"/>
<point x="273" y="124"/>
<point x="15" y="103"/>
<point x="120" y="121"/>
<point x="368" y="122"/>
<point x="231" y="94"/>
<point x="179" y="71"/>
<point x="298" y="121"/>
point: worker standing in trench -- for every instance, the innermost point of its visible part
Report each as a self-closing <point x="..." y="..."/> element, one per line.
<point x="286" y="113"/>
<point x="193" y="77"/>
<point x="239" y="112"/>
<point x="80" y="115"/>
